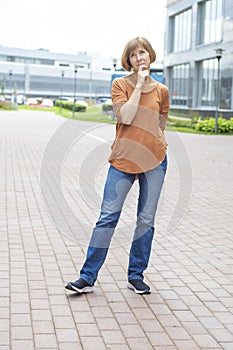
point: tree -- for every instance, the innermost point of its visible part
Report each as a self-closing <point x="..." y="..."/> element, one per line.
<point x="3" y="88"/>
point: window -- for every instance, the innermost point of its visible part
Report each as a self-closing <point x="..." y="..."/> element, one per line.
<point x="47" y="62"/>
<point x="181" y="31"/>
<point x="10" y="58"/>
<point x="209" y="21"/>
<point x="226" y="93"/>
<point x="208" y="80"/>
<point x="180" y="85"/>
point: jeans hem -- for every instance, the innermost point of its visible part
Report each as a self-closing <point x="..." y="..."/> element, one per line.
<point x="134" y="278"/>
<point x="87" y="280"/>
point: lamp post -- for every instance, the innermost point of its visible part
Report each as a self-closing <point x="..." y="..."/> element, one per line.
<point x="75" y="82"/>
<point x="62" y="78"/>
<point x="11" y="89"/>
<point x="114" y="63"/>
<point x="218" y="55"/>
<point x="90" y="85"/>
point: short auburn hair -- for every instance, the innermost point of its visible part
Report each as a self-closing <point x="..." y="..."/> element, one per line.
<point x="131" y="46"/>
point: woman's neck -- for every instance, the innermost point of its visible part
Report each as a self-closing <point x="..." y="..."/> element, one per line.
<point x="148" y="86"/>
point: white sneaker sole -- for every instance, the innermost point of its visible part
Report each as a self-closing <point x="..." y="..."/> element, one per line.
<point x="145" y="291"/>
<point x="88" y="289"/>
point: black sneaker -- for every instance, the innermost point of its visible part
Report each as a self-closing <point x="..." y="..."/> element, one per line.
<point x="80" y="286"/>
<point x="138" y="286"/>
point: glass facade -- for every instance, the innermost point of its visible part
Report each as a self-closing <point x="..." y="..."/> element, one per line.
<point x="191" y="65"/>
<point x="208" y="78"/>
<point x="209" y="21"/>
<point x="208" y="81"/>
<point x="181" y="31"/>
<point x="180" y="85"/>
<point x="28" y="60"/>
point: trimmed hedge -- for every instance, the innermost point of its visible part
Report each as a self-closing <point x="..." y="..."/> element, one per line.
<point x="7" y="105"/>
<point x="208" y="125"/>
<point x="69" y="105"/>
<point x="107" y="108"/>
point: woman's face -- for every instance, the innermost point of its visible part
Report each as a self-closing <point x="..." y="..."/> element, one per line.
<point x="139" y="57"/>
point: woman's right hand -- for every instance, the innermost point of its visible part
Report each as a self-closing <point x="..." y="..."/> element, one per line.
<point x="143" y="73"/>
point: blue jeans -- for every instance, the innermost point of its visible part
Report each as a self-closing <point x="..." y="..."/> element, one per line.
<point x="117" y="186"/>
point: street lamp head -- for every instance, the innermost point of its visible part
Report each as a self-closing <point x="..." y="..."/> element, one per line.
<point x="114" y="62"/>
<point x="219" y="53"/>
<point x="62" y="73"/>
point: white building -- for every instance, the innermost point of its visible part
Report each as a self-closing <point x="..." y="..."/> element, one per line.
<point x="195" y="28"/>
<point x="42" y="73"/>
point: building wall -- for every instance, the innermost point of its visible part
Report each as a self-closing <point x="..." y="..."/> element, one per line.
<point x="39" y="73"/>
<point x="194" y="30"/>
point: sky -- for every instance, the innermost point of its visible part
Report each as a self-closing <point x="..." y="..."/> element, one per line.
<point x="72" y="26"/>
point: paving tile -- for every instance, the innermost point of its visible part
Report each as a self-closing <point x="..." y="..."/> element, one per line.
<point x="190" y="274"/>
<point x="88" y="330"/>
<point x="185" y="316"/>
<point x="71" y="345"/>
<point x="226" y="346"/>
<point x="125" y="318"/>
<point x="221" y="335"/>
<point x="21" y="332"/>
<point x="93" y="343"/>
<point x="206" y="340"/>
<point x="67" y="335"/>
<point x="82" y="317"/>
<point x="132" y="330"/>
<point x="113" y="337"/>
<point x="177" y="333"/>
<point x="4" y="337"/>
<point x="45" y="327"/>
<point x="186" y="344"/>
<point x="140" y="343"/>
<point x="22" y="344"/>
<point x="107" y="323"/>
<point x="151" y="326"/>
<point x="102" y="311"/>
<point x="159" y="339"/>
<point x="45" y="341"/>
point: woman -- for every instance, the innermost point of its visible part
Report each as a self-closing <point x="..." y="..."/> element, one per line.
<point x="139" y="152"/>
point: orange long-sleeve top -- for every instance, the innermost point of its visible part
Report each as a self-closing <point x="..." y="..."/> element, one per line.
<point x="140" y="146"/>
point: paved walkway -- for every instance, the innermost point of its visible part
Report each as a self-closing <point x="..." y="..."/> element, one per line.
<point x="52" y="175"/>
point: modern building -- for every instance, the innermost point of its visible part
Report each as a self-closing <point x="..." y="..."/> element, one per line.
<point x="41" y="73"/>
<point x="200" y="79"/>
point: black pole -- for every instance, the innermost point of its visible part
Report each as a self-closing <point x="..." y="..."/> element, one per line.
<point x="62" y="77"/>
<point x="217" y="97"/>
<point x="75" y="81"/>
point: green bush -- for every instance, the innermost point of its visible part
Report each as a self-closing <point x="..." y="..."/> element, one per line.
<point x="208" y="125"/>
<point x="7" y="105"/>
<point x="179" y="123"/>
<point x="69" y="105"/>
<point x="107" y="108"/>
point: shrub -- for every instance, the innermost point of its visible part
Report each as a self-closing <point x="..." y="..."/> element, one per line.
<point x="107" y="108"/>
<point x="7" y="105"/>
<point x="208" y="125"/>
<point x="69" y="105"/>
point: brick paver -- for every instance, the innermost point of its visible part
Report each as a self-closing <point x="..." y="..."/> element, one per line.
<point x="52" y="175"/>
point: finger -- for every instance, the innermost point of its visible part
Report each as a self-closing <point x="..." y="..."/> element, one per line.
<point x="145" y="73"/>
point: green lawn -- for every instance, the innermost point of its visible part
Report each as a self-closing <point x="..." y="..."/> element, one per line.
<point x="95" y="114"/>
